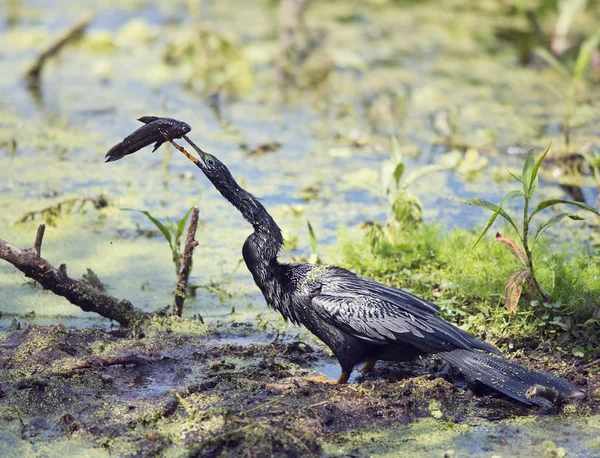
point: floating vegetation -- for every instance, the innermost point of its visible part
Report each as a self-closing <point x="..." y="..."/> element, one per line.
<point x="211" y="61"/>
<point x="51" y="213"/>
<point x="263" y="148"/>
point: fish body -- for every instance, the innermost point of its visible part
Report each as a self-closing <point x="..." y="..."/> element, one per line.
<point x="155" y="130"/>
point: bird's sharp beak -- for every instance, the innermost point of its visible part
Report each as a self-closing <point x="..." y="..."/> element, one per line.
<point x="200" y="161"/>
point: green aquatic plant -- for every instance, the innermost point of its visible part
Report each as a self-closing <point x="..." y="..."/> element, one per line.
<point x="211" y="60"/>
<point x="172" y="233"/>
<point x="572" y="78"/>
<point x="402" y="206"/>
<point x="314" y="256"/>
<point x="523" y="251"/>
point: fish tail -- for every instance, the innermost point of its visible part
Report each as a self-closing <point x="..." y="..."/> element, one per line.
<point x="124" y="148"/>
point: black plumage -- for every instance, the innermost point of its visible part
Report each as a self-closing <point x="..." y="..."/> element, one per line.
<point x="155" y="130"/>
<point x="360" y="319"/>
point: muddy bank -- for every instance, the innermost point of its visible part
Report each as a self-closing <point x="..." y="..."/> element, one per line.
<point x="183" y="388"/>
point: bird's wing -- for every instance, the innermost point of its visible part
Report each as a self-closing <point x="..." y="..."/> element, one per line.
<point x="347" y="281"/>
<point x="375" y="315"/>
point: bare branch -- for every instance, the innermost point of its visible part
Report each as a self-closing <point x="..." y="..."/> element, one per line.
<point x="37" y="246"/>
<point x="86" y="297"/>
<point x="184" y="273"/>
<point x="32" y="76"/>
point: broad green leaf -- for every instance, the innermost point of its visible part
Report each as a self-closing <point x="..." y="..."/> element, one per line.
<point x="553" y="61"/>
<point x="550" y="202"/>
<point x="182" y="222"/>
<point x="592" y="159"/>
<point x="513" y="289"/>
<point x="584" y="56"/>
<point x="497" y="209"/>
<point x="527" y="174"/>
<point x="534" y="174"/>
<point x="514" y="248"/>
<point x="398" y="172"/>
<point x="555" y="220"/>
<point x="313" y="238"/>
<point x="161" y="227"/>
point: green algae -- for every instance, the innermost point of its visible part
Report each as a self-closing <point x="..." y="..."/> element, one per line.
<point x="525" y="436"/>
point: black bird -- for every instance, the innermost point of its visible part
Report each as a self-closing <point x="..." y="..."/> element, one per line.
<point x="360" y="319"/>
<point x="155" y="130"/>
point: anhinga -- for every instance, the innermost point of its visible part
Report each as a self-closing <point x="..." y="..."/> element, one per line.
<point x="360" y="319"/>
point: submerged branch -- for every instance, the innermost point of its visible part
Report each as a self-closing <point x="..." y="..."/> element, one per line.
<point x="51" y="211"/>
<point x="33" y="74"/>
<point x="184" y="273"/>
<point x="86" y="297"/>
<point x="99" y="361"/>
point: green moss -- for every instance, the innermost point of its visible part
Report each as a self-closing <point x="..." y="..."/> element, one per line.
<point x="468" y="283"/>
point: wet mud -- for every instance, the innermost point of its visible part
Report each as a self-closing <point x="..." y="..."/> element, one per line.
<point x="183" y="388"/>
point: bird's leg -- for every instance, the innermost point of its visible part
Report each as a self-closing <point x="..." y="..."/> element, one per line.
<point x="344" y="376"/>
<point x="369" y="365"/>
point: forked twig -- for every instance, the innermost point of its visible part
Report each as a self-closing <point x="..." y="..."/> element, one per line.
<point x="86" y="297"/>
<point x="184" y="273"/>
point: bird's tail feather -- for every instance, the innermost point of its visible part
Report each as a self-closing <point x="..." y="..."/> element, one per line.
<point x="506" y="377"/>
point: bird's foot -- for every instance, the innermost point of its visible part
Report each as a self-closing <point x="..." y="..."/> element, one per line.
<point x="320" y="378"/>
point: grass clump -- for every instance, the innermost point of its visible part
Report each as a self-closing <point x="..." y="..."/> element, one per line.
<point x="467" y="283"/>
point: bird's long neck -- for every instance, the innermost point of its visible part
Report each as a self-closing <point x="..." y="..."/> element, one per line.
<point x="261" y="247"/>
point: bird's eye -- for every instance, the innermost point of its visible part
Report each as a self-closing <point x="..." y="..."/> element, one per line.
<point x="210" y="162"/>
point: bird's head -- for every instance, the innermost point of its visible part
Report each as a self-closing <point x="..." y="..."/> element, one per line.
<point x="246" y="203"/>
<point x="213" y="168"/>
